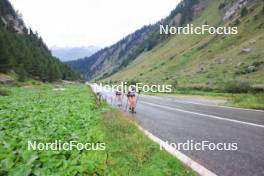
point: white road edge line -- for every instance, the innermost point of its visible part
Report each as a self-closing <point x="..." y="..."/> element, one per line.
<point x="220" y="106"/>
<point x="203" y="104"/>
<point x="201" y="170"/>
<point x="206" y="115"/>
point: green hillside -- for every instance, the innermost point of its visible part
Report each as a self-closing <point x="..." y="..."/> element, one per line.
<point x="112" y="59"/>
<point x="207" y="61"/>
<point x="24" y="53"/>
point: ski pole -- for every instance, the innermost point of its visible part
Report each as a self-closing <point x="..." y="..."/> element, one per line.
<point x="137" y="98"/>
<point x="126" y="105"/>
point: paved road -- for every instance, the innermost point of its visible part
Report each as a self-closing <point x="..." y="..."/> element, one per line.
<point x="177" y="121"/>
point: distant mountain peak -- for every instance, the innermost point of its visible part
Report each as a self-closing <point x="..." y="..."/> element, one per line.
<point x="72" y="53"/>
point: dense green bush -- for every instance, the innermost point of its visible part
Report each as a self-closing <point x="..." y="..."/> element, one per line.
<point x="4" y="92"/>
<point x="222" y="5"/>
<point x="244" y="11"/>
<point x="237" y="87"/>
<point x="33" y="114"/>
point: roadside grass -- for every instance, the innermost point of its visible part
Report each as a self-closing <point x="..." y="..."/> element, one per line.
<point x="132" y="153"/>
<point x="251" y="101"/>
<point x="48" y="112"/>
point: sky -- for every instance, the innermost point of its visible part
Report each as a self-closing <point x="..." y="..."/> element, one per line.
<point x="75" y="23"/>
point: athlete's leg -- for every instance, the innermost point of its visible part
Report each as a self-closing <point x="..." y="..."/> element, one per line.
<point x="130" y="102"/>
<point x="119" y="100"/>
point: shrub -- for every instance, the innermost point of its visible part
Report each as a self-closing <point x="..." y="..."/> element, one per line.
<point x="163" y="63"/>
<point x="174" y="84"/>
<point x="22" y="75"/>
<point x="258" y="88"/>
<point x="221" y="6"/>
<point x="257" y="64"/>
<point x="237" y="22"/>
<point x="132" y="82"/>
<point x="237" y="87"/>
<point x="201" y="87"/>
<point x="4" y="92"/>
<point x="244" y="12"/>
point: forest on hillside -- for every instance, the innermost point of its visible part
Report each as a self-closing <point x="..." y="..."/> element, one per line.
<point x="22" y="51"/>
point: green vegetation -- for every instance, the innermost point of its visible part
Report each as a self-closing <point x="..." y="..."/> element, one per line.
<point x="45" y="113"/>
<point x="32" y="113"/>
<point x="24" y="52"/>
<point x="203" y="64"/>
<point x="208" y="64"/>
<point x="131" y="153"/>
<point x="4" y="92"/>
<point x="244" y="11"/>
<point x="207" y="60"/>
<point x="252" y="101"/>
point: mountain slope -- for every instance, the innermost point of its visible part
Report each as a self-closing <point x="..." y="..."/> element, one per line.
<point x="23" y="51"/>
<point x="109" y="60"/>
<point x="208" y="61"/>
<point x="72" y="53"/>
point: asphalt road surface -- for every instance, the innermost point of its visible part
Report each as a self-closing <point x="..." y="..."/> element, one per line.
<point x="178" y="121"/>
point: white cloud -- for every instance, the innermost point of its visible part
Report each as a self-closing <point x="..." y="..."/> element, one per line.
<point x="90" y="22"/>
